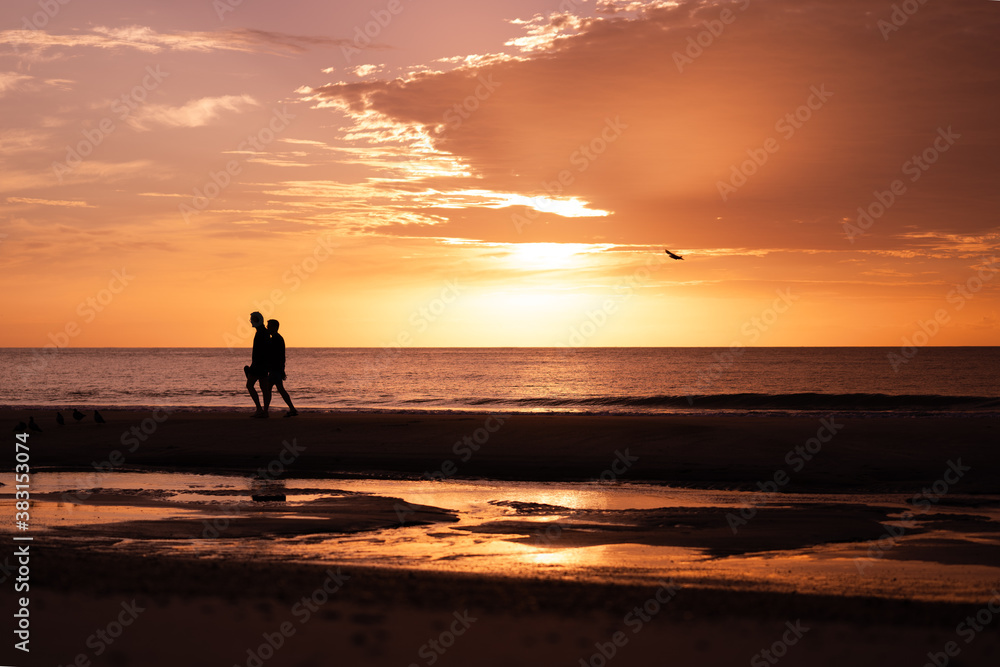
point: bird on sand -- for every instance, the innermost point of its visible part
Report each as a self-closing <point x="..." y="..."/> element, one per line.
<point x="21" y="427"/>
<point x="33" y="426"/>
<point x="98" y="418"/>
<point x="59" y="419"/>
<point x="672" y="255"/>
<point x="77" y="415"/>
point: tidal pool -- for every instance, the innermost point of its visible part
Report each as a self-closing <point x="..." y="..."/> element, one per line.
<point x="634" y="533"/>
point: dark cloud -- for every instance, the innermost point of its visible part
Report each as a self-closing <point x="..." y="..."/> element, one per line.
<point x="687" y="129"/>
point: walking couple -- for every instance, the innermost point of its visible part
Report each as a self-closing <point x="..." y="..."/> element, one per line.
<point x="267" y="365"/>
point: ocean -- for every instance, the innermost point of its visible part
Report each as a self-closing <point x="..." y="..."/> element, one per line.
<point x="594" y="380"/>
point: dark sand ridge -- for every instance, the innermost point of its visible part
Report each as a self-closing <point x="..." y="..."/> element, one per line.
<point x="875" y="454"/>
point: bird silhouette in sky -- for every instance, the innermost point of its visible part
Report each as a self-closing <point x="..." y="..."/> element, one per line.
<point x="33" y="426"/>
<point x="98" y="418"/>
<point x="672" y="255"/>
<point x="77" y="415"/>
<point x="59" y="419"/>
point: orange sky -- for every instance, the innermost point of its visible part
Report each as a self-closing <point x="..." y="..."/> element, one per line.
<point x="499" y="173"/>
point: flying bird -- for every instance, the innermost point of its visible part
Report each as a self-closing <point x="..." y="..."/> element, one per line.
<point x="672" y="255"/>
<point x="77" y="415"/>
<point x="59" y="419"/>
<point x="33" y="426"/>
<point x="98" y="418"/>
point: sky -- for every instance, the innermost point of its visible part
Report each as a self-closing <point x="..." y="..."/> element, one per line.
<point x="500" y="172"/>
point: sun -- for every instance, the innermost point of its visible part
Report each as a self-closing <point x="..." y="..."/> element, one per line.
<point x="548" y="256"/>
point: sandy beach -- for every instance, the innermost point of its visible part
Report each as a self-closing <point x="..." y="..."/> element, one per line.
<point x="340" y="544"/>
<point x="876" y="453"/>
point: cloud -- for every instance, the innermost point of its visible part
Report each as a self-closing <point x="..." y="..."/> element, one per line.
<point x="366" y="70"/>
<point x="37" y="43"/>
<point x="49" y="202"/>
<point x="88" y="172"/>
<point x="21" y="140"/>
<point x="690" y="116"/>
<point x="12" y="81"/>
<point x="195" y="113"/>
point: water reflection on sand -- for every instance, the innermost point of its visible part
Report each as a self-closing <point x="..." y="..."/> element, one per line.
<point x="580" y="531"/>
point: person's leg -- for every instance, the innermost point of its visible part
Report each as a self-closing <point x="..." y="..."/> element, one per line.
<point x="284" y="395"/>
<point x="251" y="380"/>
<point x="265" y="387"/>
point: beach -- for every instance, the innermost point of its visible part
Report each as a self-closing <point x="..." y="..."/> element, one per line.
<point x="874" y="453"/>
<point x="550" y="530"/>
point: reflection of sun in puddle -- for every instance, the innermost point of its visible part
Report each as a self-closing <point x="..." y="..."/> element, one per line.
<point x="830" y="568"/>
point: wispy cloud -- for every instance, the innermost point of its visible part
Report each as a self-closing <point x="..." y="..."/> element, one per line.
<point x="49" y="202"/>
<point x="193" y="114"/>
<point x="20" y="140"/>
<point x="12" y="80"/>
<point x="142" y="38"/>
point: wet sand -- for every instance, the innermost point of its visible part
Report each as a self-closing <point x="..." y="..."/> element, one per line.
<point x="875" y="454"/>
<point x="787" y="582"/>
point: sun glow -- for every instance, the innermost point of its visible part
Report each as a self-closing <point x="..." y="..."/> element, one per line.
<point x="549" y="256"/>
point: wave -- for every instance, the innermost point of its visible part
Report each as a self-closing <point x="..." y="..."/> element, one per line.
<point x="749" y="401"/>
<point x="734" y="403"/>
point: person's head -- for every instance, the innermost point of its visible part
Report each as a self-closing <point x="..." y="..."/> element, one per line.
<point x="272" y="326"/>
<point x="256" y="319"/>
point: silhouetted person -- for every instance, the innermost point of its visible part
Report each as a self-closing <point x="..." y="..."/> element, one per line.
<point x="257" y="370"/>
<point x="276" y="368"/>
